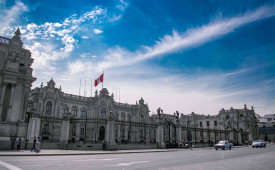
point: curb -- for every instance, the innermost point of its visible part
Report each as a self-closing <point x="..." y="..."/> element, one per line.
<point x="99" y="153"/>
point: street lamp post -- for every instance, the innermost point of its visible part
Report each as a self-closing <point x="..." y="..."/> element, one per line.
<point x="85" y="128"/>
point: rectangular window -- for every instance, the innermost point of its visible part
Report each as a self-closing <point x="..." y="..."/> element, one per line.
<point x="207" y="123"/>
<point x="200" y="124"/>
<point x="45" y="129"/>
<point x="75" y="112"/>
<point x="241" y="115"/>
<point x="83" y="113"/>
<point x="215" y="123"/>
<point x="82" y="131"/>
<point x="73" y="131"/>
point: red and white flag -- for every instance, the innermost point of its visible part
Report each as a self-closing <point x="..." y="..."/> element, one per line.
<point x="99" y="79"/>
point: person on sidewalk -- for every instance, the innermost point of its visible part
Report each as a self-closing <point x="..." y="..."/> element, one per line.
<point x="187" y="144"/>
<point x="38" y="145"/>
<point x="33" y="145"/>
<point x="19" y="144"/>
<point x="190" y="145"/>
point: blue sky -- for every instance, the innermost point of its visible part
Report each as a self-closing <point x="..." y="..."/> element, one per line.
<point x="191" y="56"/>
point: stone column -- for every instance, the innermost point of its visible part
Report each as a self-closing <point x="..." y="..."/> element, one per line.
<point x="110" y="139"/>
<point x="178" y="133"/>
<point x="160" y="136"/>
<point x="231" y="136"/>
<point x="118" y="133"/>
<point x="239" y="137"/>
<point x="4" y="86"/>
<point x="11" y="104"/>
<point x="65" y="130"/>
<point x="33" y="127"/>
<point x="2" y="95"/>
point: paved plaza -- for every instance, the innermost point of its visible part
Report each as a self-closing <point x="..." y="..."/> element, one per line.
<point x="244" y="158"/>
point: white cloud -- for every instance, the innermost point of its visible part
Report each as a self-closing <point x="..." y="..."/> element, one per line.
<point x="97" y="31"/>
<point x="50" y="42"/>
<point x="85" y="37"/>
<point x="11" y="15"/>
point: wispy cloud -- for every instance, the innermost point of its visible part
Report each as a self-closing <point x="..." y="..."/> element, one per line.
<point x="191" y="38"/>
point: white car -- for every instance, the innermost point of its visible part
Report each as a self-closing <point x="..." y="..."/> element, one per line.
<point x="223" y="144"/>
<point x="258" y="143"/>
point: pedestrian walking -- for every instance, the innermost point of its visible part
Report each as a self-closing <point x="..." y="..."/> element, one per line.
<point x="19" y="144"/>
<point x="37" y="145"/>
<point x="33" y="145"/>
<point x="187" y="144"/>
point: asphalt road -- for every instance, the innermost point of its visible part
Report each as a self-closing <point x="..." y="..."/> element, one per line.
<point x="245" y="158"/>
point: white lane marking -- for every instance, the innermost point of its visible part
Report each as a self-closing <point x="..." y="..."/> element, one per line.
<point x="108" y="159"/>
<point x="9" y="166"/>
<point x="129" y="163"/>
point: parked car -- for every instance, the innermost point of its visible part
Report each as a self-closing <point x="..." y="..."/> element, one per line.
<point x="223" y="144"/>
<point x="258" y="143"/>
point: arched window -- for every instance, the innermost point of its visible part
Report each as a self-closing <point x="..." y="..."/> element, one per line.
<point x="122" y="116"/>
<point x="74" y="109"/>
<point x="65" y="110"/>
<point x="122" y="132"/>
<point x="83" y="113"/>
<point x="49" y="107"/>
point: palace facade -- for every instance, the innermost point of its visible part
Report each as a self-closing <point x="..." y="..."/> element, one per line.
<point x="66" y="121"/>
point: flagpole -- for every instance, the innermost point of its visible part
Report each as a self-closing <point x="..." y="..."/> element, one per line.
<point x="85" y="89"/>
<point x="103" y="80"/>
<point x="91" y="88"/>
<point x="79" y="87"/>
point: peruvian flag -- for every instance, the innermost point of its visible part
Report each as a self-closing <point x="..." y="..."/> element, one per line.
<point x="99" y="79"/>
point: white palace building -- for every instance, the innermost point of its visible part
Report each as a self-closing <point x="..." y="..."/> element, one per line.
<point x="66" y="121"/>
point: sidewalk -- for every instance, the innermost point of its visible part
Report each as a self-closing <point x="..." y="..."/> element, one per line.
<point x="46" y="152"/>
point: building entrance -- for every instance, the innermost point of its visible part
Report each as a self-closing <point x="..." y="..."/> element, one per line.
<point x="102" y="133"/>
